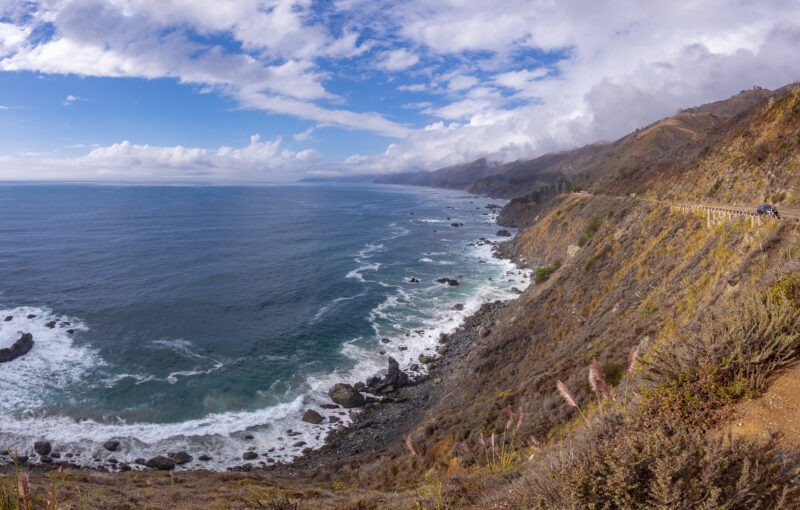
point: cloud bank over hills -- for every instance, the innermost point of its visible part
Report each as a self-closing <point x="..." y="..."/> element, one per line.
<point x="450" y="81"/>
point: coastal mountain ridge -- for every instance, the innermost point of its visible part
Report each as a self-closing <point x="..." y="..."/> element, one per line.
<point x="609" y="167"/>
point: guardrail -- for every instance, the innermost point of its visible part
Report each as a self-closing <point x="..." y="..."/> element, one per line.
<point x="716" y="214"/>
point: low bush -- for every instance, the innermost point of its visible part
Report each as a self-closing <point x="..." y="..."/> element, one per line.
<point x="543" y="273"/>
<point x="732" y="356"/>
<point x="593" y="226"/>
<point x="682" y="470"/>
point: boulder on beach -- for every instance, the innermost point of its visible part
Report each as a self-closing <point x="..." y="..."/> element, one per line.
<point x="111" y="445"/>
<point x="19" y="348"/>
<point x="161" y="463"/>
<point x="395" y="376"/>
<point x="346" y="396"/>
<point x="42" y="447"/>
<point x="311" y="416"/>
<point x="181" y="457"/>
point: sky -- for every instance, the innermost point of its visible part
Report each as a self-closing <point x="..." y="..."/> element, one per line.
<point x="260" y="91"/>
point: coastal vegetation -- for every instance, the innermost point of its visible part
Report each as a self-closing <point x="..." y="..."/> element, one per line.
<point x="617" y="385"/>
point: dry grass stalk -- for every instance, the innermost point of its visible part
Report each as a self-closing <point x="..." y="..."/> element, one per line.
<point x="597" y="380"/>
<point x="412" y="447"/>
<point x="562" y="388"/>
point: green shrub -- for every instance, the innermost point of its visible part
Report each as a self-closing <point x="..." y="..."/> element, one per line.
<point x="678" y="470"/>
<point x="730" y="357"/>
<point x="593" y="226"/>
<point x="543" y="273"/>
<point x="786" y="288"/>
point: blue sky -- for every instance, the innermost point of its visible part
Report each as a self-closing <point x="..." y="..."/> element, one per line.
<point x="271" y="90"/>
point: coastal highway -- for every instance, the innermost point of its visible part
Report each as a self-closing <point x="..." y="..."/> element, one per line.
<point x="737" y="209"/>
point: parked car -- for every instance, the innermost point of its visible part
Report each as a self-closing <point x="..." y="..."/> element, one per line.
<point x="768" y="210"/>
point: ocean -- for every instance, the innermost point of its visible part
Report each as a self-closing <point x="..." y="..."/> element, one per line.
<point x="208" y="319"/>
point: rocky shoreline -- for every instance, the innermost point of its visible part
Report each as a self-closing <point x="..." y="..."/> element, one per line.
<point x="382" y="409"/>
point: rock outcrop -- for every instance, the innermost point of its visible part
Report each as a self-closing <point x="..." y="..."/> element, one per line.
<point x="19" y="348"/>
<point x="346" y="396"/>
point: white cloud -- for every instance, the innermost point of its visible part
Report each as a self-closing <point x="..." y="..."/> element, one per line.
<point x="519" y="80"/>
<point x="397" y="60"/>
<point x="3" y="107"/>
<point x="155" y="39"/>
<point x="305" y="135"/>
<point x="259" y="161"/>
<point x="416" y="87"/>
<point x="71" y="99"/>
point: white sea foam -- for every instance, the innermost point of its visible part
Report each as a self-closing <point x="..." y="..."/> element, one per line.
<point x="53" y="364"/>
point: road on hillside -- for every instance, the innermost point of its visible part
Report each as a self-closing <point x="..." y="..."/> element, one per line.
<point x="795" y="215"/>
<point x="783" y="213"/>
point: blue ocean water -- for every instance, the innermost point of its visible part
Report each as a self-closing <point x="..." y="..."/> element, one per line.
<point x="201" y="315"/>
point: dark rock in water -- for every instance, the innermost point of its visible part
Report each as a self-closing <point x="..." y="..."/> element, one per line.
<point x="161" y="463"/>
<point x="124" y="467"/>
<point x="448" y="281"/>
<point x="414" y="367"/>
<point x="64" y="324"/>
<point x="329" y="406"/>
<point x="359" y="386"/>
<point x="410" y="280"/>
<point x="204" y="458"/>
<point x="42" y="447"/>
<point x="112" y="460"/>
<point x="247" y="437"/>
<point x="140" y="461"/>
<point x="454" y="225"/>
<point x="32" y="316"/>
<point x="346" y="396"/>
<point x="55" y="455"/>
<point x="382" y="353"/>
<point x="493" y="206"/>
<point x="51" y="324"/>
<point x="45" y="460"/>
<point x="22" y="459"/>
<point x="311" y="416"/>
<point x="111" y="445"/>
<point x="19" y="348"/>
<point x="516" y="290"/>
<point x="299" y="444"/>
<point x="249" y="455"/>
<point x="9" y="318"/>
<point x="458" y="307"/>
<point x="181" y="457"/>
<point x="503" y="233"/>
<point x="402" y="348"/>
<point x="70" y="331"/>
<point x="385" y="340"/>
